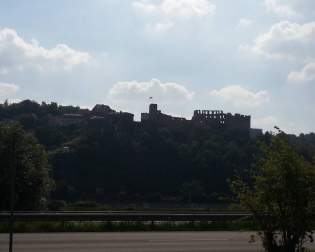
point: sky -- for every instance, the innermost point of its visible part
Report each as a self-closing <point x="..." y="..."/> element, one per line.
<point x="255" y="57"/>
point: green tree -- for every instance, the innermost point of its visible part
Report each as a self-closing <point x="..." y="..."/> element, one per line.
<point x="280" y="193"/>
<point x="20" y="149"/>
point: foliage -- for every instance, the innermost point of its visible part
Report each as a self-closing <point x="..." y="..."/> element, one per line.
<point x="107" y="160"/>
<point x="127" y="226"/>
<point x="280" y="193"/>
<point x="148" y="164"/>
<point x="192" y="191"/>
<point x="20" y="149"/>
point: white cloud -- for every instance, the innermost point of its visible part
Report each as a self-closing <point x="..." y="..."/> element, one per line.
<point x="244" y="23"/>
<point x="241" y="97"/>
<point x="134" y="90"/>
<point x="176" y="8"/>
<point x="160" y="27"/>
<point x="286" y="40"/>
<point x="7" y="89"/>
<point x="291" y="8"/>
<point x="145" y="6"/>
<point x="167" y="12"/>
<point x="187" y="8"/>
<point x="307" y="74"/>
<point x="15" y="52"/>
<point x="281" y="9"/>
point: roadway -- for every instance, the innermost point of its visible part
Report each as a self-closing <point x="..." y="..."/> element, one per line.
<point x="132" y="242"/>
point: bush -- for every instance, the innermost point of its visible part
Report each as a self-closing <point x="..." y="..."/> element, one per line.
<point x="280" y="193"/>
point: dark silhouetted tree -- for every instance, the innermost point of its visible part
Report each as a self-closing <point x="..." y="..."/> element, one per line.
<point x="20" y="149"/>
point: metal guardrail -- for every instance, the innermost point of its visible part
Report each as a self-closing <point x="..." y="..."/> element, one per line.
<point x="121" y="216"/>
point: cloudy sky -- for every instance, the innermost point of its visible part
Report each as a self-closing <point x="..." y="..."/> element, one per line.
<point x="255" y="57"/>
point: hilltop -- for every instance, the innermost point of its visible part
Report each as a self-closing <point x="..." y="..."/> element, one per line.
<point x="104" y="155"/>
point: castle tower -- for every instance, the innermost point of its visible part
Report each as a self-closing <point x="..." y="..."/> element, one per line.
<point x="153" y="109"/>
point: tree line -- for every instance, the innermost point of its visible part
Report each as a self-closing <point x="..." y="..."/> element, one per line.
<point x="107" y="162"/>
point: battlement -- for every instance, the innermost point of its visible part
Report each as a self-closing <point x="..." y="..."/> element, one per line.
<point x="211" y="118"/>
<point x="207" y="112"/>
<point x="101" y="109"/>
<point x="219" y="118"/>
<point x="239" y="116"/>
<point x="56" y="115"/>
<point x="206" y="115"/>
<point x="157" y="116"/>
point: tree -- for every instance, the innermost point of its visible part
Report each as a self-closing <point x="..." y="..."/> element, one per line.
<point x="280" y="193"/>
<point x="192" y="191"/>
<point x="19" y="149"/>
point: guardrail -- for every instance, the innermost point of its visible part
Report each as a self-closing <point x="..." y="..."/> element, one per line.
<point x="121" y="216"/>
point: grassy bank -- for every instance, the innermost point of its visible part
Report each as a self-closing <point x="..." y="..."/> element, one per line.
<point x="33" y="227"/>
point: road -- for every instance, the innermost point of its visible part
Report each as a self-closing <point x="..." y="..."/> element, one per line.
<point x="132" y="242"/>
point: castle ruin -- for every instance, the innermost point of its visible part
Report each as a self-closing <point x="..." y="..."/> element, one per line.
<point x="226" y="120"/>
<point x="210" y="118"/>
<point x="54" y="115"/>
<point x="158" y="117"/>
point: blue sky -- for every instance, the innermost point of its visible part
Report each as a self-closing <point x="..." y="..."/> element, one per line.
<point x="255" y="57"/>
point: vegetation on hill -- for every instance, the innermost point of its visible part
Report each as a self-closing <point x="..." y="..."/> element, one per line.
<point x="105" y="160"/>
